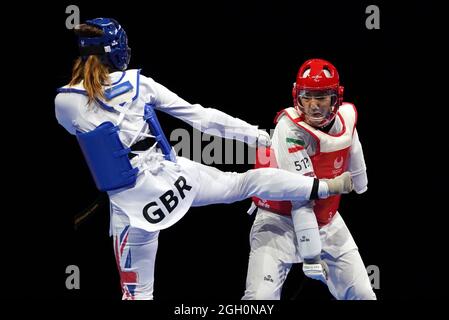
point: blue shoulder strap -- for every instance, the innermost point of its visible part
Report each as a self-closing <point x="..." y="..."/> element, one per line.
<point x="156" y="130"/>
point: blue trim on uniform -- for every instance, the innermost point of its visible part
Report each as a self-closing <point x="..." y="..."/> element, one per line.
<point x="104" y="105"/>
<point x="128" y="262"/>
<point x="132" y="288"/>
<point x="118" y="90"/>
<point x="156" y="130"/>
<point x="138" y="84"/>
<point x="121" y="78"/>
<point x="71" y="90"/>
<point x="123" y="233"/>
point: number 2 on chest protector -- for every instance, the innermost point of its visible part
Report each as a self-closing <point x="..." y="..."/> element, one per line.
<point x="154" y="214"/>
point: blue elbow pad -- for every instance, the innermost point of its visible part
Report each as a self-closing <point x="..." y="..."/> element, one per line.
<point x="106" y="157"/>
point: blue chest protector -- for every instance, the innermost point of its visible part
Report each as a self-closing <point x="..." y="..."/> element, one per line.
<point x="104" y="152"/>
<point x="107" y="158"/>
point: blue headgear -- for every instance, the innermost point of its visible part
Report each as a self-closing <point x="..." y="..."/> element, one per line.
<point x="112" y="46"/>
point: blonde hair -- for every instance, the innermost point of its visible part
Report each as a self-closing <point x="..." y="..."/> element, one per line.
<point x="92" y="71"/>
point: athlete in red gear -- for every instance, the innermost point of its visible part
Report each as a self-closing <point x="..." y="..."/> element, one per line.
<point x="316" y="138"/>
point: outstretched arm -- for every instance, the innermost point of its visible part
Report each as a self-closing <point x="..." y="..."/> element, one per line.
<point x="208" y="120"/>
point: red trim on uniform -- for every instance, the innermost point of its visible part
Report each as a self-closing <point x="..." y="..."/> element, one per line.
<point x="126" y="277"/>
<point x="278" y="114"/>
<point x="310" y="174"/>
<point x="343" y="130"/>
<point x="122" y="247"/>
<point x="295" y="149"/>
<point x="266" y="158"/>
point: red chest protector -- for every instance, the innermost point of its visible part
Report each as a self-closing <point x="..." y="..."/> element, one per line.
<point x="330" y="160"/>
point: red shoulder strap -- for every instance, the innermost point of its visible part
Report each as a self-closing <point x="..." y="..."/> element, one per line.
<point x="278" y="115"/>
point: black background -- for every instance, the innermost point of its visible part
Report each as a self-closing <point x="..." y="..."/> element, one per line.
<point x="242" y="59"/>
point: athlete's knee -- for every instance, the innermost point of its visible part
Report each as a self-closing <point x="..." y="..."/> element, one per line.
<point x="307" y="233"/>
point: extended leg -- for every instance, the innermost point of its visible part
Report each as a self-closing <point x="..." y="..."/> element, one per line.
<point x="267" y="183"/>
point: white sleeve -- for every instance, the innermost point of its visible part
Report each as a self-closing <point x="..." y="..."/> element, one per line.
<point x="65" y="111"/>
<point x="290" y="149"/>
<point x="207" y="120"/>
<point x="357" y="165"/>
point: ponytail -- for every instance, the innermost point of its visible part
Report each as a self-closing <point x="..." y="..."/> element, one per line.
<point x="92" y="71"/>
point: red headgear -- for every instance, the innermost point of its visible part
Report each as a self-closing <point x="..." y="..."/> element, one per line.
<point x="318" y="75"/>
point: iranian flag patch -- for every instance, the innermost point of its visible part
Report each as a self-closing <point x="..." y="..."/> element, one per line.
<point x="294" y="145"/>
